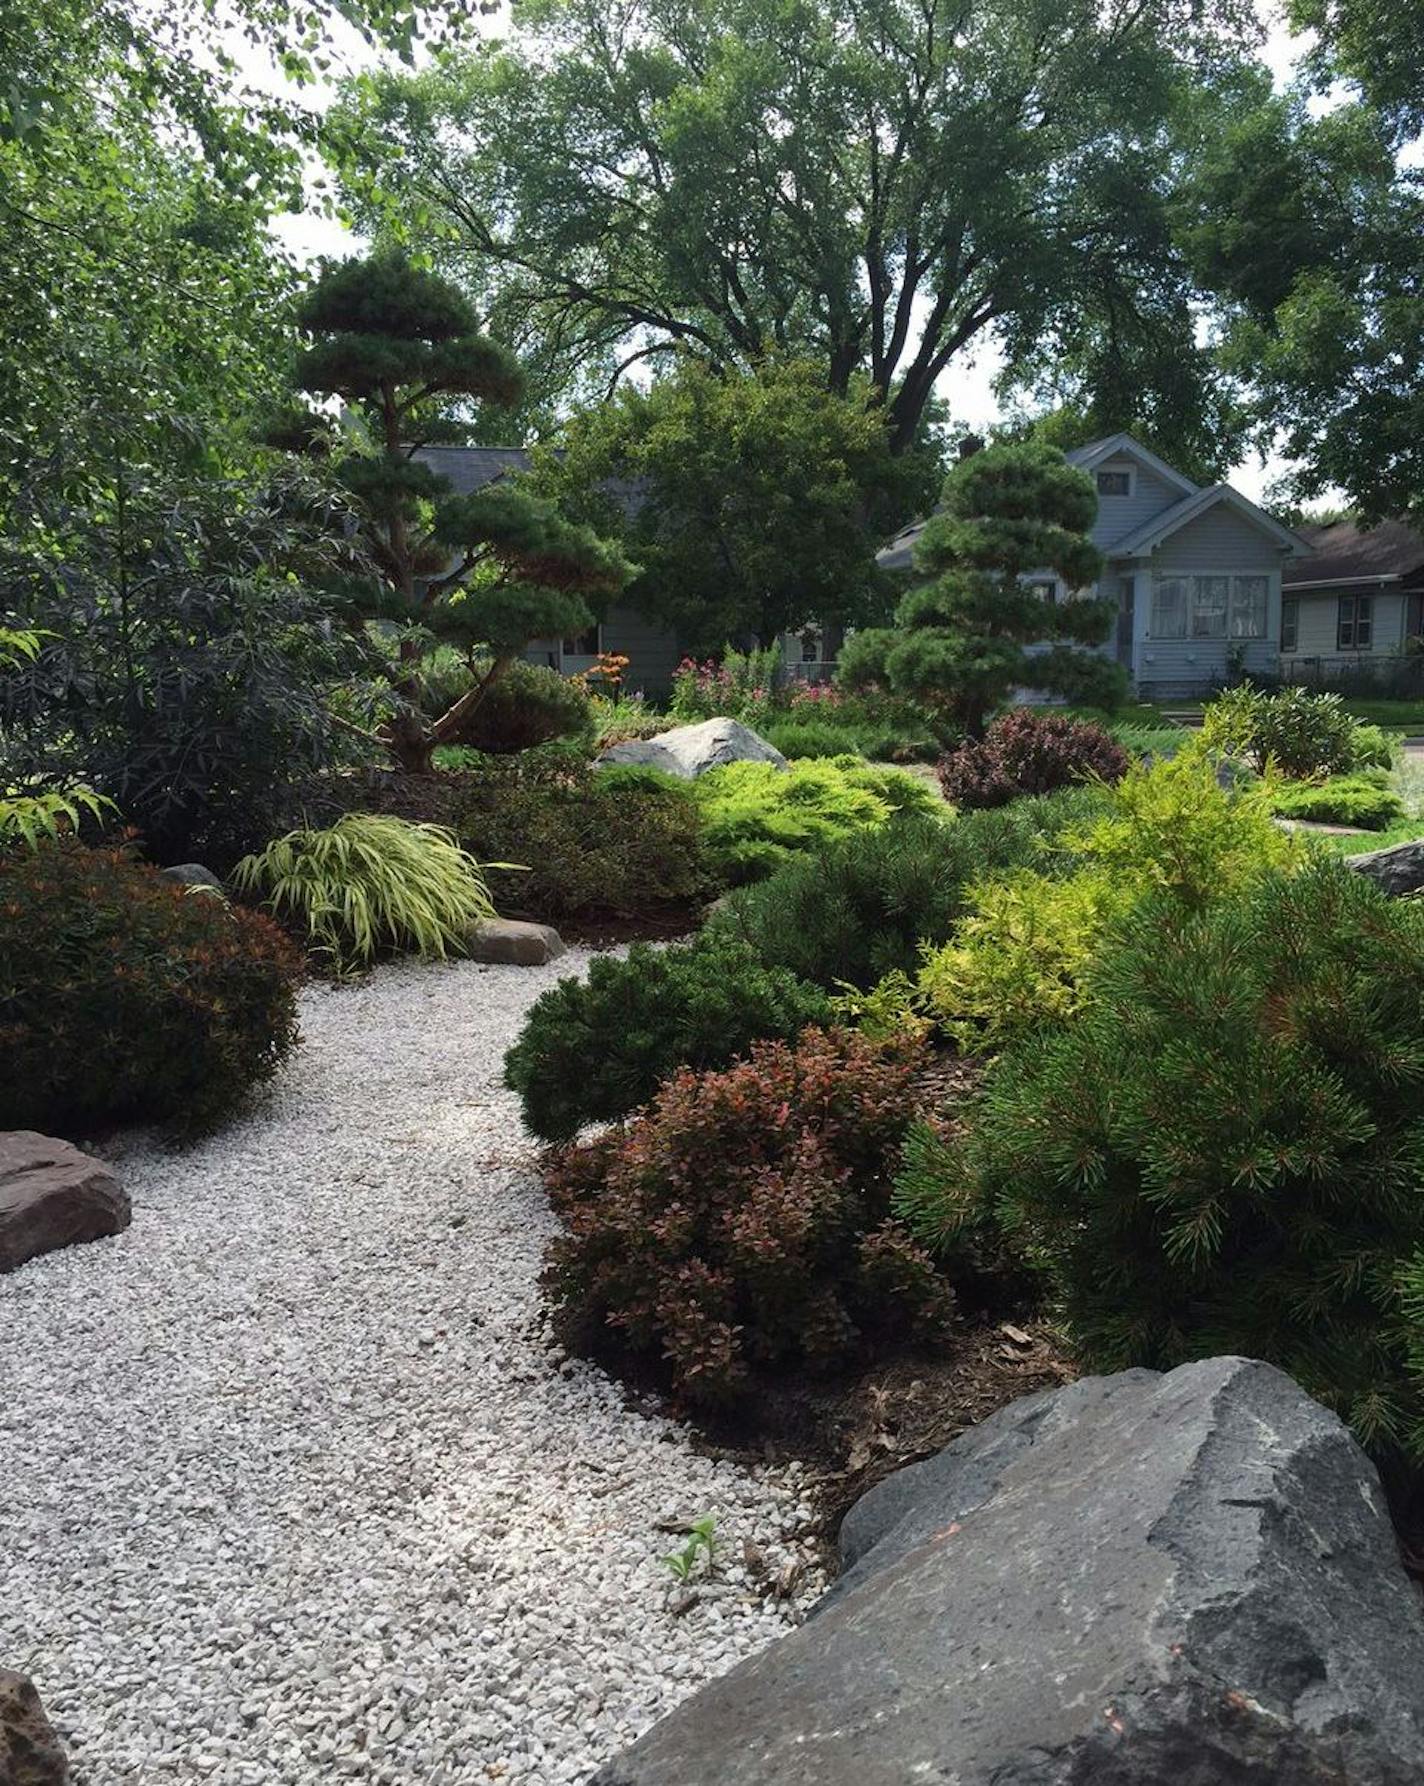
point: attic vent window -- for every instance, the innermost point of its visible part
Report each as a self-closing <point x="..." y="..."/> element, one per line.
<point x="1114" y="483"/>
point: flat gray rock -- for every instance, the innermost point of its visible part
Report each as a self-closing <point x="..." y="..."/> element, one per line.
<point x="192" y="874"/>
<point x="1134" y="1580"/>
<point x="51" y="1196"/>
<point x="512" y="943"/>
<point x="690" y="751"/>
<point x="30" y="1753"/>
<point x="1397" y="870"/>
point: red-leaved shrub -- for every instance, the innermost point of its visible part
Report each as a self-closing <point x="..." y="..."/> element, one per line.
<point x="1024" y="752"/>
<point x="126" y="997"/>
<point x="744" y="1220"/>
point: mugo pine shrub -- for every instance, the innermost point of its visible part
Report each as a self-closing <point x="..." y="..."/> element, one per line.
<point x="124" y="997"/>
<point x="743" y="1222"/>
<point x="592" y="1050"/>
<point x="1029" y="753"/>
<point x="1225" y="1151"/>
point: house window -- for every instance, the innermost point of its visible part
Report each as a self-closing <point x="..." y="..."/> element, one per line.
<point x="1210" y="607"/>
<point x="1290" y="622"/>
<point x="1045" y="589"/>
<point x="1354" y="623"/>
<point x="1114" y="483"/>
<point x="586" y="644"/>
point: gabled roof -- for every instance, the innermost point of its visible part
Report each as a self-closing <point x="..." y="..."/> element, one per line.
<point x="1122" y="444"/>
<point x="1345" y="552"/>
<point x="472" y="467"/>
<point x="1192" y="508"/>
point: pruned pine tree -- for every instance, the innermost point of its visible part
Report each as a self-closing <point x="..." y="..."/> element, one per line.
<point x="960" y="641"/>
<point x="487" y="570"/>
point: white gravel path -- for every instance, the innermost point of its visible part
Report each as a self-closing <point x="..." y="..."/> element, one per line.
<point x="292" y="1488"/>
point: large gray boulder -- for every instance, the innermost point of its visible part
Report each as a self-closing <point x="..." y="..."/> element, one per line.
<point x="513" y="943"/>
<point x="1397" y="870"/>
<point x="690" y="751"/>
<point x="1138" y="1579"/>
<point x="193" y="874"/>
<point x="30" y="1754"/>
<point x="51" y="1195"/>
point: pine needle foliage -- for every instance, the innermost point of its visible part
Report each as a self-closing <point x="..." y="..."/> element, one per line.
<point x="371" y="882"/>
<point x="1224" y="1152"/>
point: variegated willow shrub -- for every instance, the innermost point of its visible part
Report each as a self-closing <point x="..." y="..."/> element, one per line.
<point x="368" y="883"/>
<point x="126" y="997"/>
<point x="743" y="1222"/>
<point x="1224" y="1150"/>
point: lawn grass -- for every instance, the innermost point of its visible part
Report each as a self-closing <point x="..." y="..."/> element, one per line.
<point x="1406" y="716"/>
<point x="1406" y="831"/>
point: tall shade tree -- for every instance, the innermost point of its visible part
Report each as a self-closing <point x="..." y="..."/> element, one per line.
<point x="1377" y="43"/>
<point x="489" y="569"/>
<point x="960" y="641"/>
<point x="878" y="184"/>
<point x="760" y="497"/>
<point x="1310" y="234"/>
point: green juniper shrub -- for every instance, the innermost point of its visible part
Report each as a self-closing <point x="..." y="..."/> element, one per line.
<point x="125" y="997"/>
<point x="798" y="739"/>
<point x="592" y="1050"/>
<point x="622" y="841"/>
<point x="1224" y="1152"/>
<point x="757" y="817"/>
<point x="743" y="1222"/>
<point x="1024" y="752"/>
<point x="1365" y="799"/>
<point x="528" y="704"/>
<point x="862" y="908"/>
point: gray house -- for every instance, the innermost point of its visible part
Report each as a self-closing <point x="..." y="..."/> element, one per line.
<point x="1194" y="572"/>
<point x="653" y="650"/>
<point x="1355" y="603"/>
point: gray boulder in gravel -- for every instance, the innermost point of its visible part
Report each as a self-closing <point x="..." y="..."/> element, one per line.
<point x="1397" y="870"/>
<point x="690" y="751"/>
<point x="30" y="1754"/>
<point x="52" y="1195"/>
<point x="513" y="943"/>
<point x="1137" y="1579"/>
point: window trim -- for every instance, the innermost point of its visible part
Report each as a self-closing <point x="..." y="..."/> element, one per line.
<point x="1290" y="603"/>
<point x="1127" y="471"/>
<point x="1190" y="578"/>
<point x="1354" y="623"/>
<point x="597" y="651"/>
<point x="1046" y="588"/>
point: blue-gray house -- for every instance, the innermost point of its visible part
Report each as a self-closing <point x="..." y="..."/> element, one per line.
<point x="1193" y="571"/>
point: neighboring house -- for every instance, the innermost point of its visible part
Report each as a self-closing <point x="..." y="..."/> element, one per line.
<point x="1193" y="572"/>
<point x="652" y="649"/>
<point x="1355" y="602"/>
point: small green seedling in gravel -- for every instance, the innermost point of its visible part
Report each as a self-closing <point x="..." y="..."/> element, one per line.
<point x="701" y="1544"/>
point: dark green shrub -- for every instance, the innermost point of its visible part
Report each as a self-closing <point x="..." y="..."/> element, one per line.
<point x="1297" y="731"/>
<point x="126" y="997"/>
<point x="1224" y="1151"/>
<point x="593" y="1050"/>
<point x="620" y="841"/>
<point x="744" y="1222"/>
<point x="1365" y="799"/>
<point x="861" y="909"/>
<point x="800" y="738"/>
<point x="528" y="705"/>
<point x="1024" y="752"/>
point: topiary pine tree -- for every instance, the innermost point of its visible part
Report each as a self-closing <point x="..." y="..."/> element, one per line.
<point x="959" y="643"/>
<point x="488" y="570"/>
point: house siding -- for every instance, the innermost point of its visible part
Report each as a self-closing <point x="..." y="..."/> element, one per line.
<point x="1119" y="516"/>
<point x="1316" y="632"/>
<point x="651" y="649"/>
<point x="1217" y="541"/>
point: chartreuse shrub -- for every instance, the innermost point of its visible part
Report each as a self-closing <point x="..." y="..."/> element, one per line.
<point x="1019" y="954"/>
<point x="126" y="997"/>
<point x="371" y="882"/>
<point x="624" y="841"/>
<point x="592" y="1050"/>
<point x="1224" y="1152"/>
<point x="861" y="909"/>
<point x="743" y="1222"/>
<point x="1024" y="752"/>
<point x="756" y="816"/>
<point x="1300" y="734"/>
<point x="1364" y="799"/>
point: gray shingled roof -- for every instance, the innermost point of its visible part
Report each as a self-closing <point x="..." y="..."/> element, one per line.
<point x="1345" y="552"/>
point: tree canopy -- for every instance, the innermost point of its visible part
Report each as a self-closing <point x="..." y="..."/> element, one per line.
<point x="879" y="185"/>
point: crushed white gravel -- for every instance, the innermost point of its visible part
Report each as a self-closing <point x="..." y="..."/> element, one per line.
<point x="293" y="1487"/>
